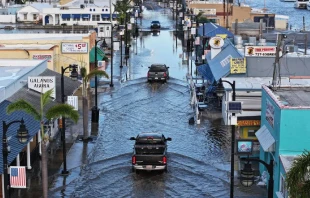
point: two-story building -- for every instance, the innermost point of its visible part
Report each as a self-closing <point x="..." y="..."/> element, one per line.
<point x="32" y="12"/>
<point x="284" y="132"/>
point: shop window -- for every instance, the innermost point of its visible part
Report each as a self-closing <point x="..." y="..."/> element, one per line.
<point x="96" y="17"/>
<point x="283" y="188"/>
<point x="251" y="133"/>
<point x="85" y="19"/>
<point x="25" y="16"/>
<point x="35" y="17"/>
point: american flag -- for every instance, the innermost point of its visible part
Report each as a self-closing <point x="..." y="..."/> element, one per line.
<point x="18" y="177"/>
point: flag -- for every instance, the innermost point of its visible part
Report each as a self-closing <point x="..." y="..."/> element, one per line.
<point x="18" y="176"/>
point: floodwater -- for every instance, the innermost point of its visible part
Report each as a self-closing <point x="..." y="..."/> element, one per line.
<point x="283" y="8"/>
<point x="199" y="155"/>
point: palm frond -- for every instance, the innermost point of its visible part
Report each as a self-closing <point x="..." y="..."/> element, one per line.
<point x="62" y="110"/>
<point x="295" y="178"/>
<point x="46" y="97"/>
<point x="94" y="73"/>
<point x="22" y="105"/>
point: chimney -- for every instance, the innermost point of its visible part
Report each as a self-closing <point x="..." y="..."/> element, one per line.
<point x="216" y="43"/>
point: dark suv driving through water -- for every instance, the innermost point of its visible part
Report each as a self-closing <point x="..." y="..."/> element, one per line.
<point x="158" y="72"/>
<point x="155" y="25"/>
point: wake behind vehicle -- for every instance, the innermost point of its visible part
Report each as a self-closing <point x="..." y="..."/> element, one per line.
<point x="149" y="152"/>
<point x="158" y="72"/>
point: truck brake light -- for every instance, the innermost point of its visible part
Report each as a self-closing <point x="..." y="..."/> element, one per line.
<point x="165" y="74"/>
<point x="133" y="159"/>
<point x="165" y="160"/>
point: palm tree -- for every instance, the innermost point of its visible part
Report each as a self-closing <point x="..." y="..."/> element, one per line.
<point x="297" y="179"/>
<point x="122" y="7"/>
<point x="56" y="111"/>
<point x="86" y="78"/>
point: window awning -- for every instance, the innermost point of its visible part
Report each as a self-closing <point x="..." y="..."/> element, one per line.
<point x="114" y="15"/>
<point x="265" y="139"/>
<point x="65" y="16"/>
<point x="100" y="55"/>
<point x="85" y="15"/>
<point x="76" y="16"/>
<point x="105" y="16"/>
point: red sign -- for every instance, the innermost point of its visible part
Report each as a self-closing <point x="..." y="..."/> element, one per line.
<point x="260" y="51"/>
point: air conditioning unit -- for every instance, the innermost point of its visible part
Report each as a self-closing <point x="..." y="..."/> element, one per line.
<point x="291" y="48"/>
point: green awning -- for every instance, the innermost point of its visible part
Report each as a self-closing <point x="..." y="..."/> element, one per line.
<point x="100" y="55"/>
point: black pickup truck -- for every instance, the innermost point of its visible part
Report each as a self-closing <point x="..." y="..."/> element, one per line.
<point x="149" y="152"/>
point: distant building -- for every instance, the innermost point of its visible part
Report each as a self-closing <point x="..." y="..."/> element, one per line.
<point x="32" y="12"/>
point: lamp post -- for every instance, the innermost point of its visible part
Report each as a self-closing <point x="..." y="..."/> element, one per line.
<point x="74" y="76"/>
<point x="137" y="30"/>
<point x="22" y="134"/>
<point x="269" y="168"/>
<point x="220" y="92"/>
<point x="121" y="35"/>
<point x="126" y="36"/>
<point x="111" y="21"/>
<point x="95" y="110"/>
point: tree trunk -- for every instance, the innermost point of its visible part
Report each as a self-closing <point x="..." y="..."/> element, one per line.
<point x="44" y="170"/>
<point x="85" y="118"/>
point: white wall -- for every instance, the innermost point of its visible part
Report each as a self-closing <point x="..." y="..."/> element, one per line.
<point x="7" y="19"/>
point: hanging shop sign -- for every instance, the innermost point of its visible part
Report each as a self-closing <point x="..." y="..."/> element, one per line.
<point x="42" y="84"/>
<point x="267" y="51"/>
<point x="237" y="65"/>
<point x="74" y="48"/>
<point x="248" y="122"/>
<point x="216" y="42"/>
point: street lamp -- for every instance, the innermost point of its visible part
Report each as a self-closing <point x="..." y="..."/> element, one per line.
<point x="74" y="76"/>
<point x="247" y="175"/>
<point x="121" y="35"/>
<point x="220" y="93"/>
<point x="269" y="168"/>
<point x="22" y="135"/>
<point x="95" y="110"/>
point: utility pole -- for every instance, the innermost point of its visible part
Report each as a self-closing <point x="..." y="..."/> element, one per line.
<point x="227" y="25"/>
<point x="306" y="42"/>
<point x="276" y="65"/>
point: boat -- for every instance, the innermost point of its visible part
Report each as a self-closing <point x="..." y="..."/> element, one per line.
<point x="301" y="4"/>
<point x="308" y="5"/>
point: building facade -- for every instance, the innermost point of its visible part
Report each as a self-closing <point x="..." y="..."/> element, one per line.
<point x="67" y="48"/>
<point x="284" y="132"/>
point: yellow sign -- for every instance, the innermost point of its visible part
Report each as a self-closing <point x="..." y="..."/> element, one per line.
<point x="248" y="122"/>
<point x="237" y="65"/>
<point x="223" y="36"/>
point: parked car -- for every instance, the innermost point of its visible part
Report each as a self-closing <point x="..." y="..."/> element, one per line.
<point x="155" y="25"/>
<point x="158" y="72"/>
<point x="149" y="152"/>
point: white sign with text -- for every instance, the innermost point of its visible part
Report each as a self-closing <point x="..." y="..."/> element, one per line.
<point x="74" y="48"/>
<point x="42" y="84"/>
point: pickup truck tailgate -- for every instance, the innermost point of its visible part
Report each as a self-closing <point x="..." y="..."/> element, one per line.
<point x="149" y="154"/>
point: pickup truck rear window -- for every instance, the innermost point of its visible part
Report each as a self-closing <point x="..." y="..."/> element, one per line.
<point x="157" y="69"/>
<point x="149" y="149"/>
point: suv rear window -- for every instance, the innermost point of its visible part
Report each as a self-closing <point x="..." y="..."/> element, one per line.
<point x="155" y="21"/>
<point x="158" y="68"/>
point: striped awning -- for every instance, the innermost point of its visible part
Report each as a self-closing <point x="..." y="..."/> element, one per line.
<point x="66" y="16"/>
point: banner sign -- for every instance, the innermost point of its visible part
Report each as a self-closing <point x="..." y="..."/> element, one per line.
<point x="18" y="176"/>
<point x="267" y="51"/>
<point x="42" y="84"/>
<point x="42" y="57"/>
<point x="248" y="122"/>
<point x="237" y="66"/>
<point x="74" y="48"/>
<point x="270" y="113"/>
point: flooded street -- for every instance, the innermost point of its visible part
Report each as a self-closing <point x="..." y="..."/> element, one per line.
<point x="198" y="155"/>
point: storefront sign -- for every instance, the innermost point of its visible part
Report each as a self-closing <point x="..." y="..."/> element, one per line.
<point x="216" y="42"/>
<point x="237" y="65"/>
<point x="42" y="84"/>
<point x="244" y="146"/>
<point x="270" y="113"/>
<point x="248" y="122"/>
<point x="269" y="51"/>
<point x="42" y="57"/>
<point x="74" y="48"/>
